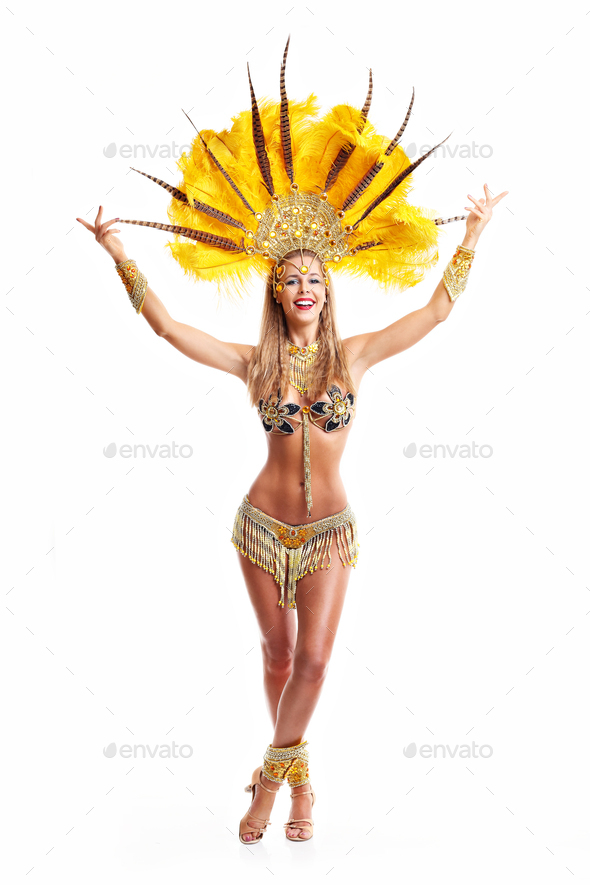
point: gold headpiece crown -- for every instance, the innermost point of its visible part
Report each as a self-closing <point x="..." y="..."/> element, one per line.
<point x="298" y="222"/>
<point x="228" y="222"/>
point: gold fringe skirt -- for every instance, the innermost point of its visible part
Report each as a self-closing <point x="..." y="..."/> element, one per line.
<point x="289" y="552"/>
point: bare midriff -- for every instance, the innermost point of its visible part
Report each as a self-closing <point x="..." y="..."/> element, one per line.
<point x="279" y="488"/>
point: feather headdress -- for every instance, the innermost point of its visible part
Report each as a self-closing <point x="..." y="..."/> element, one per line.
<point x="331" y="185"/>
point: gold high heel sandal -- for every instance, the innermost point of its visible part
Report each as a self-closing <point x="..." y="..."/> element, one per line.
<point x="296" y="823"/>
<point x="244" y="825"/>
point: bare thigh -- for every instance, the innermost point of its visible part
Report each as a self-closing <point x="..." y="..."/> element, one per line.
<point x="320" y="600"/>
<point x="277" y="625"/>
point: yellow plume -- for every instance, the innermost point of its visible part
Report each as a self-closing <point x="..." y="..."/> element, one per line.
<point x="226" y="195"/>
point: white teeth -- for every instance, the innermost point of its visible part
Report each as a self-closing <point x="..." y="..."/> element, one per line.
<point x="304" y="301"/>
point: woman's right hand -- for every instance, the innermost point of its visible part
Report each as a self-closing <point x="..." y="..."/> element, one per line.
<point x="105" y="237"/>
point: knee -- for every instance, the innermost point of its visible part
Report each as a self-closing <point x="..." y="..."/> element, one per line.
<point x="311" y="666"/>
<point x="278" y="658"/>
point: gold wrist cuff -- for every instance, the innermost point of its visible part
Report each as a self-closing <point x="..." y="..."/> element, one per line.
<point x="456" y="273"/>
<point x="287" y="764"/>
<point x="134" y="281"/>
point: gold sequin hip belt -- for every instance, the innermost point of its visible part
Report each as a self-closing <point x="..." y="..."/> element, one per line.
<point x="273" y="545"/>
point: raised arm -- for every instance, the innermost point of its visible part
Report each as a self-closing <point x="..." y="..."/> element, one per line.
<point x="370" y="348"/>
<point x="199" y="346"/>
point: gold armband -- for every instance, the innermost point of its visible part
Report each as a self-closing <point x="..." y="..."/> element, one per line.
<point x="456" y="272"/>
<point x="134" y="281"/>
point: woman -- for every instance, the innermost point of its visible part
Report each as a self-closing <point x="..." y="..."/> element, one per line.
<point x="296" y="655"/>
<point x="301" y="375"/>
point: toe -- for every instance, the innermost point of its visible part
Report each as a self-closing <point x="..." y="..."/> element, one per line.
<point x="296" y="832"/>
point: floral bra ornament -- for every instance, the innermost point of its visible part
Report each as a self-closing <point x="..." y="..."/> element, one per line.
<point x="274" y="415"/>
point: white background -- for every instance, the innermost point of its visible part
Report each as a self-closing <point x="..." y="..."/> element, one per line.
<point x="126" y="618"/>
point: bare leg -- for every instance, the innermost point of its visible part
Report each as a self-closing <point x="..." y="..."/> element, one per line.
<point x="278" y="633"/>
<point x="320" y="599"/>
<point x="295" y="659"/>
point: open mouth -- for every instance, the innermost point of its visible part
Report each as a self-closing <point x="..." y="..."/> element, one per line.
<point x="304" y="303"/>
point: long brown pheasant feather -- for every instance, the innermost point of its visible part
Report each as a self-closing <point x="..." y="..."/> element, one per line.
<point x="363" y="246"/>
<point x="202" y="207"/>
<point x="259" y="144"/>
<point x="202" y="236"/>
<point x="285" y="126"/>
<point x="448" y="220"/>
<point x="362" y="185"/>
<point x="368" y="100"/>
<point x="346" y="150"/>
<point x="178" y="195"/>
<point x="393" y="142"/>
<point x="220" y="167"/>
<point x="397" y="181"/>
<point x="376" y="167"/>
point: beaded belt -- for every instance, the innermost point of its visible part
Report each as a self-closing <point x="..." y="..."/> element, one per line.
<point x="271" y="544"/>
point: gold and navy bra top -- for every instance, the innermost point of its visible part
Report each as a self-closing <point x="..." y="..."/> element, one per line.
<point x="277" y="416"/>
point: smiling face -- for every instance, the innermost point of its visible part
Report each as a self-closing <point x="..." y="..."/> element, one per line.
<point x="302" y="295"/>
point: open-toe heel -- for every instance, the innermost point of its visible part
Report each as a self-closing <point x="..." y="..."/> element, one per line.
<point x="249" y="823"/>
<point x="301" y="823"/>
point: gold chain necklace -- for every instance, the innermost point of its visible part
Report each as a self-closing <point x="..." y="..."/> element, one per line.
<point x="300" y="358"/>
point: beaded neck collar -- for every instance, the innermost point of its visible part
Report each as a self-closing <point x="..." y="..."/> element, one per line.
<point x="307" y="351"/>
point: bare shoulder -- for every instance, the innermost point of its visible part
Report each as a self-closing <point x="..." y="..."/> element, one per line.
<point x="354" y="347"/>
<point x="244" y="354"/>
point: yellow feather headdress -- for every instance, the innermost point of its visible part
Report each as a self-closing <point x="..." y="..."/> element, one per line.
<point x="331" y="185"/>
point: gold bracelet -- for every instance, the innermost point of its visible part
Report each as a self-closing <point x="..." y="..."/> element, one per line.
<point x="134" y="281"/>
<point x="456" y="273"/>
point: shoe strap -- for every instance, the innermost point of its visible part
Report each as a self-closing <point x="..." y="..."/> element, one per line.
<point x="302" y="793"/>
<point x="294" y="823"/>
<point x="260" y="784"/>
<point x="264" y="821"/>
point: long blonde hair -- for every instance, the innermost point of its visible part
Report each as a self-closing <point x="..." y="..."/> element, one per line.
<point x="269" y="367"/>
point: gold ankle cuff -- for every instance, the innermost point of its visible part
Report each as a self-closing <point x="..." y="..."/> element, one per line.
<point x="287" y="764"/>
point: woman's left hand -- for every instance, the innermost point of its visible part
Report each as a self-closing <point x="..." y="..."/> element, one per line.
<point x="480" y="213"/>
